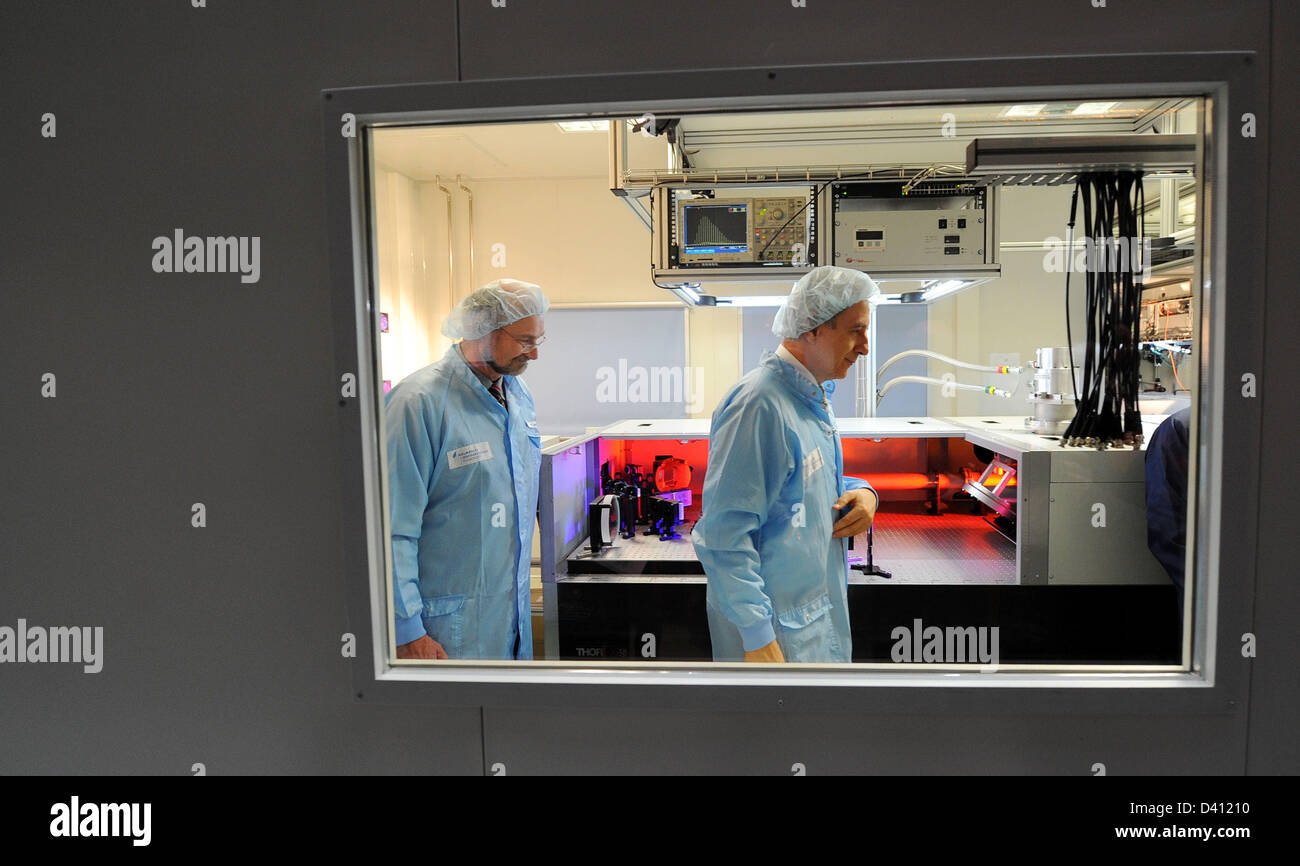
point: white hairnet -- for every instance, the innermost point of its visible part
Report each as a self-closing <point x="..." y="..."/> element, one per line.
<point x="499" y="303"/>
<point x="818" y="296"/>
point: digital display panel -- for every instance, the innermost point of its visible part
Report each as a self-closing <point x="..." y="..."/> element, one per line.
<point x="716" y="228"/>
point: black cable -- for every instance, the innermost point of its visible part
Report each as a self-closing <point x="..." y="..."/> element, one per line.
<point x="777" y="233"/>
<point x="811" y="199"/>
<point x="1107" y="412"/>
<point x="1069" y="266"/>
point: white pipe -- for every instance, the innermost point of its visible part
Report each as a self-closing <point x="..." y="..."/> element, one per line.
<point x="927" y="380"/>
<point x="470" y="214"/>
<point x="983" y="368"/>
<point x="451" y="264"/>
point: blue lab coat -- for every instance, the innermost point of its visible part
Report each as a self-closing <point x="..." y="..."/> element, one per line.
<point x="1166" y="493"/>
<point x="764" y="535"/>
<point x="462" y="489"/>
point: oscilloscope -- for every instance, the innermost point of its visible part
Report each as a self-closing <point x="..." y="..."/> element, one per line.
<point x="761" y="231"/>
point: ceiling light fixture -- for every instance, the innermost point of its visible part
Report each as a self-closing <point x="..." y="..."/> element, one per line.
<point x="1094" y="107"/>
<point x="583" y="125"/>
<point x="1025" y="110"/>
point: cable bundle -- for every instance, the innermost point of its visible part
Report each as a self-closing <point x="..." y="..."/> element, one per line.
<point x="1106" y="406"/>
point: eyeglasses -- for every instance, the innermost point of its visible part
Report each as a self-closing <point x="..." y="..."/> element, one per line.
<point x="526" y="344"/>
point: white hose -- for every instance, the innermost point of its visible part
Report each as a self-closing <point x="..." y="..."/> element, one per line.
<point x="986" y="389"/>
<point x="983" y="368"/>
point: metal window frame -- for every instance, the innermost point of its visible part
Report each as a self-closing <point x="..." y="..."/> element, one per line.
<point x="1225" y="443"/>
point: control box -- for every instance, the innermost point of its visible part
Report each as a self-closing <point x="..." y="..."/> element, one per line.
<point x="899" y="238"/>
<point x="887" y="224"/>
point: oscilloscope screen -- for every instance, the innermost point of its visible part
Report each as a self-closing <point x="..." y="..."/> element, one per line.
<point x="716" y="228"/>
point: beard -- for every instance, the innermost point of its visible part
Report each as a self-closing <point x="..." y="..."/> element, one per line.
<point x="511" y="368"/>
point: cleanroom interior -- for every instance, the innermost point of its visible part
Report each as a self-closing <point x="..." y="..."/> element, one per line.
<point x="983" y="509"/>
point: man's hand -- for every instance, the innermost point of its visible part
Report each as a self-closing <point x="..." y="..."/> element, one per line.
<point x="422" y="648"/>
<point x="859" y="519"/>
<point x="770" y="654"/>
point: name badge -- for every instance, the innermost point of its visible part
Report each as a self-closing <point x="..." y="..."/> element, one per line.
<point x="464" y="456"/>
<point x="812" y="463"/>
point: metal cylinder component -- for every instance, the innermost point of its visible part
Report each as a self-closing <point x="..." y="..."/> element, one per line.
<point x="1053" y="394"/>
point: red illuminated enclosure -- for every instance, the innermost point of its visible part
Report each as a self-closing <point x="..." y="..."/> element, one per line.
<point x="954" y="539"/>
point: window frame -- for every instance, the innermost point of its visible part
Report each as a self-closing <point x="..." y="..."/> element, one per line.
<point x="1224" y="444"/>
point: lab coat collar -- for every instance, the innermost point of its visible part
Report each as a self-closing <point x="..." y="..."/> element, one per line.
<point x="800" y="382"/>
<point x="467" y="374"/>
<point x="786" y="355"/>
<point x="478" y="374"/>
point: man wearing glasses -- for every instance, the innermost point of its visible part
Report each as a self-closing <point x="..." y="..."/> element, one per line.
<point x="463" y="460"/>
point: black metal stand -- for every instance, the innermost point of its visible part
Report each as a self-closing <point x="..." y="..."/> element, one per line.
<point x="870" y="567"/>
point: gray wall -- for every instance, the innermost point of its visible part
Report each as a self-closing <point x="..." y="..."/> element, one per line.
<point x="221" y="644"/>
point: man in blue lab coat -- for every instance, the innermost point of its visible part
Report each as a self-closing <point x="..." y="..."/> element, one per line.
<point x="463" y="460"/>
<point x="776" y="508"/>
<point x="1166" y="493"/>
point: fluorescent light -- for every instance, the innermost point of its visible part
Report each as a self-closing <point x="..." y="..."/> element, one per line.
<point x="1025" y="110"/>
<point x="689" y="293"/>
<point x="940" y="288"/>
<point x="884" y="299"/>
<point x="752" y="300"/>
<point x="1094" y="107"/>
<point x="583" y="125"/>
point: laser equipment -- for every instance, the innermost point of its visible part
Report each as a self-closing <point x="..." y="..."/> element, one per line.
<point x="603" y="520"/>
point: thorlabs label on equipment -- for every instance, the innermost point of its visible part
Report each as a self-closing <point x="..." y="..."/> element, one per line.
<point x="812" y="463"/>
<point x="465" y="455"/>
